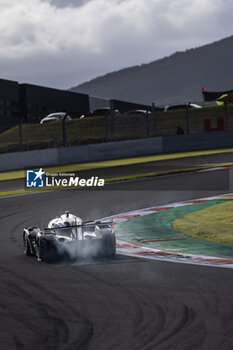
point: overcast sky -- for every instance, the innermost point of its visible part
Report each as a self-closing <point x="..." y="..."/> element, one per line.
<point x="61" y="43"/>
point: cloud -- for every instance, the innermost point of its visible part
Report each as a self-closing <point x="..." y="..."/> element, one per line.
<point x="67" y="3"/>
<point x="59" y="43"/>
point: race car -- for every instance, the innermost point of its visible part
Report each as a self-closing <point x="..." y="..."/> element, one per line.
<point x="69" y="237"/>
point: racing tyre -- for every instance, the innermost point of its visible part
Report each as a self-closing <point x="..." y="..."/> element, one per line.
<point x="110" y="245"/>
<point x="47" y="250"/>
<point x="26" y="247"/>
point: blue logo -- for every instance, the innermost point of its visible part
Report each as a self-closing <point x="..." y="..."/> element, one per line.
<point x="35" y="178"/>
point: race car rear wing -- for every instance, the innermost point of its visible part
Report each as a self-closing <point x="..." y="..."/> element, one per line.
<point x="84" y="224"/>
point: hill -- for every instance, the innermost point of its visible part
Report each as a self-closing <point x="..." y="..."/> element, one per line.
<point x="174" y="79"/>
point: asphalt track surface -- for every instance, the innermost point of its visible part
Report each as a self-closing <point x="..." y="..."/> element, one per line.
<point x="134" y="169"/>
<point x="122" y="303"/>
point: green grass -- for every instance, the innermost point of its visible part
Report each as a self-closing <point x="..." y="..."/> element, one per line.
<point x="214" y="224"/>
<point x="159" y="226"/>
<point x="49" y="135"/>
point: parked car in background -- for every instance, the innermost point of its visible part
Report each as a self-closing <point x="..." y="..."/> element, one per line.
<point x="136" y="112"/>
<point x="101" y="112"/>
<point x="54" y="117"/>
<point x="181" y="106"/>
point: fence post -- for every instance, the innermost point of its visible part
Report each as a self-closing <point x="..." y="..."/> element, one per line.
<point x="187" y="118"/>
<point x="147" y="125"/>
<point x="154" y="118"/>
<point x="226" y="114"/>
<point x="20" y="136"/>
<point x="64" y="130"/>
<point x="111" y="117"/>
<point x="106" y="126"/>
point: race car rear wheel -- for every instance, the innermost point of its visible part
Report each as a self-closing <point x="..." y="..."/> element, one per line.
<point x="26" y="247"/>
<point x="47" y="249"/>
<point x="109" y="246"/>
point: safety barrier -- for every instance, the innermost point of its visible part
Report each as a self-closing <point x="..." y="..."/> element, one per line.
<point x="115" y="150"/>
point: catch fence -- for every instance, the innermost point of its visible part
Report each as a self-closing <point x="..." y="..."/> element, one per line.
<point x="107" y="128"/>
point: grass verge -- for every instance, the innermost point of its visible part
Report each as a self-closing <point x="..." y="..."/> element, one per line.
<point x="214" y="224"/>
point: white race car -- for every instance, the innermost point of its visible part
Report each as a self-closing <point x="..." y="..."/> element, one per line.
<point x="68" y="237"/>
